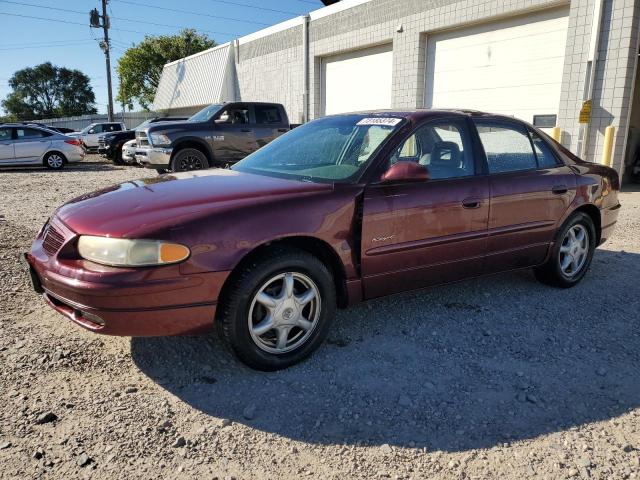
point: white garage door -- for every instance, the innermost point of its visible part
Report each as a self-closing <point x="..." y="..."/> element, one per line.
<point x="513" y="67"/>
<point x="359" y="80"/>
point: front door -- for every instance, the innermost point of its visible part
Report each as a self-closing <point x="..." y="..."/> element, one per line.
<point x="530" y="192"/>
<point x="6" y="146"/>
<point x="30" y="144"/>
<point x="233" y="135"/>
<point x="426" y="233"/>
<point x="90" y="139"/>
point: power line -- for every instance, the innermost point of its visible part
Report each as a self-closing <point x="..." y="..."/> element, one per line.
<point x="254" y="7"/>
<point x="69" y="44"/>
<point x="66" y="10"/>
<point x="199" y="14"/>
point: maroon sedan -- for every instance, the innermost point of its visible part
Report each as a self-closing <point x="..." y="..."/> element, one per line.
<point x="340" y="210"/>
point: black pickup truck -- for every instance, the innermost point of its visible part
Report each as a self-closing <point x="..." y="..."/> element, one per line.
<point x="110" y="144"/>
<point x="216" y="136"/>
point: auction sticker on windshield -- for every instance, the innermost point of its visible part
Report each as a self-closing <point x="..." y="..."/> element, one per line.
<point x="386" y="121"/>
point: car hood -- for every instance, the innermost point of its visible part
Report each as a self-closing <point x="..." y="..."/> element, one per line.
<point x="152" y="205"/>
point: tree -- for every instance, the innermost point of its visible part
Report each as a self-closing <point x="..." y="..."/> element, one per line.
<point x="47" y="91"/>
<point x="140" y="66"/>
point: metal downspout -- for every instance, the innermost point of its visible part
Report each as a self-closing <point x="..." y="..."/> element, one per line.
<point x="305" y="68"/>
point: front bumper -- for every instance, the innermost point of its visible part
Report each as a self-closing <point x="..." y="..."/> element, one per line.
<point x="154" y="157"/>
<point x="126" y="301"/>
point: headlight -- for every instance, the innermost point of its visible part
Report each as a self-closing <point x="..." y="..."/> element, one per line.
<point x="120" y="252"/>
<point x="159" y="139"/>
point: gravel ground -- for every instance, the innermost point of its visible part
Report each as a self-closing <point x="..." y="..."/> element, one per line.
<point x="493" y="378"/>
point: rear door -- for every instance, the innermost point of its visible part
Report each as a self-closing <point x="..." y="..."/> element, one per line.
<point x="530" y="191"/>
<point x="426" y="233"/>
<point x="31" y="144"/>
<point x="269" y="124"/>
<point x="6" y="145"/>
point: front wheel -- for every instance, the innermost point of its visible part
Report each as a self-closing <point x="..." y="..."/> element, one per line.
<point x="278" y="310"/>
<point x="189" y="159"/>
<point x="571" y="254"/>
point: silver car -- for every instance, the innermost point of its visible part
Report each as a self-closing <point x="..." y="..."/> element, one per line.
<point x="90" y="135"/>
<point x="25" y="145"/>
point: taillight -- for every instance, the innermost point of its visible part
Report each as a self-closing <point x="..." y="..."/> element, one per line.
<point x="73" y="141"/>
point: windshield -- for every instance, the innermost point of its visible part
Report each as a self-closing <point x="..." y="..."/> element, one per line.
<point x="144" y="124"/>
<point x="331" y="149"/>
<point x="205" y="114"/>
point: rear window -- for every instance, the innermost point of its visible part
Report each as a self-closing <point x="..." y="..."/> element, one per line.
<point x="268" y="114"/>
<point x="507" y="147"/>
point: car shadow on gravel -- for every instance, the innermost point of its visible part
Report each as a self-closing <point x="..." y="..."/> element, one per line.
<point x="74" y="167"/>
<point x="460" y="367"/>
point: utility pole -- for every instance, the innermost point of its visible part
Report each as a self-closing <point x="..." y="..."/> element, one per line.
<point x="95" y="22"/>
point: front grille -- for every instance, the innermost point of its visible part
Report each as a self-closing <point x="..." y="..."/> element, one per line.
<point x="141" y="139"/>
<point x="53" y="240"/>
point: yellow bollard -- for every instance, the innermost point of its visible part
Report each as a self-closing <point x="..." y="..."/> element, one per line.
<point x="556" y="133"/>
<point x="607" y="147"/>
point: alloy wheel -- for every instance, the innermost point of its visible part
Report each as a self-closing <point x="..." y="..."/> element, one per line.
<point x="190" y="162"/>
<point x="284" y="312"/>
<point x="54" y="160"/>
<point x="574" y="250"/>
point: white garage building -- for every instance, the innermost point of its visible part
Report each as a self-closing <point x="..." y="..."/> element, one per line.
<point x="538" y="60"/>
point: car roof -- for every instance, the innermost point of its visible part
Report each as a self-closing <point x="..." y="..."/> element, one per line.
<point x="418" y="114"/>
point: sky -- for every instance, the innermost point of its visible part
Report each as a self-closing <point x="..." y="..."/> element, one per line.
<point x="62" y="36"/>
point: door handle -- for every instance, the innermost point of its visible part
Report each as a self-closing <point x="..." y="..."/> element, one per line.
<point x="246" y="130"/>
<point x="283" y="130"/>
<point x="559" y="189"/>
<point x="471" y="203"/>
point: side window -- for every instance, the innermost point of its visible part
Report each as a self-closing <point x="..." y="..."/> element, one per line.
<point x="96" y="129"/>
<point x="267" y="114"/>
<point x="27" y="133"/>
<point x="234" y="116"/>
<point x="5" y="134"/>
<point x="507" y="147"/>
<point x="546" y="157"/>
<point x="442" y="147"/>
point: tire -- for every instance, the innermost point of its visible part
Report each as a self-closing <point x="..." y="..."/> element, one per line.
<point x="573" y="253"/>
<point x="117" y="156"/>
<point x="189" y="159"/>
<point x="54" y="161"/>
<point x="266" y="278"/>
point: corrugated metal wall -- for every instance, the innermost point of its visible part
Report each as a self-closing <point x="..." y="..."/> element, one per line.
<point x="131" y="119"/>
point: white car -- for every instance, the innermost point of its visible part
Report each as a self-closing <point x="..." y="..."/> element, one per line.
<point x="25" y="145"/>
<point x="129" y="152"/>
<point x="90" y="134"/>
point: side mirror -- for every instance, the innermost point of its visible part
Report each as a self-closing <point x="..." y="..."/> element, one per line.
<point x="224" y="118"/>
<point x="405" y="171"/>
<point x="92" y="131"/>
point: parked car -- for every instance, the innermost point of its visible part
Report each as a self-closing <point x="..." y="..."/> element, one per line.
<point x="22" y="145"/>
<point x="129" y="152"/>
<point x="340" y="210"/>
<point x="110" y="144"/>
<point x="91" y="133"/>
<point x="219" y="135"/>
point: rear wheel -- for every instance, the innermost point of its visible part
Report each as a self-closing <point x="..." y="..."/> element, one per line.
<point x="189" y="159"/>
<point x="571" y="254"/>
<point x="54" y="161"/>
<point x="278" y="310"/>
